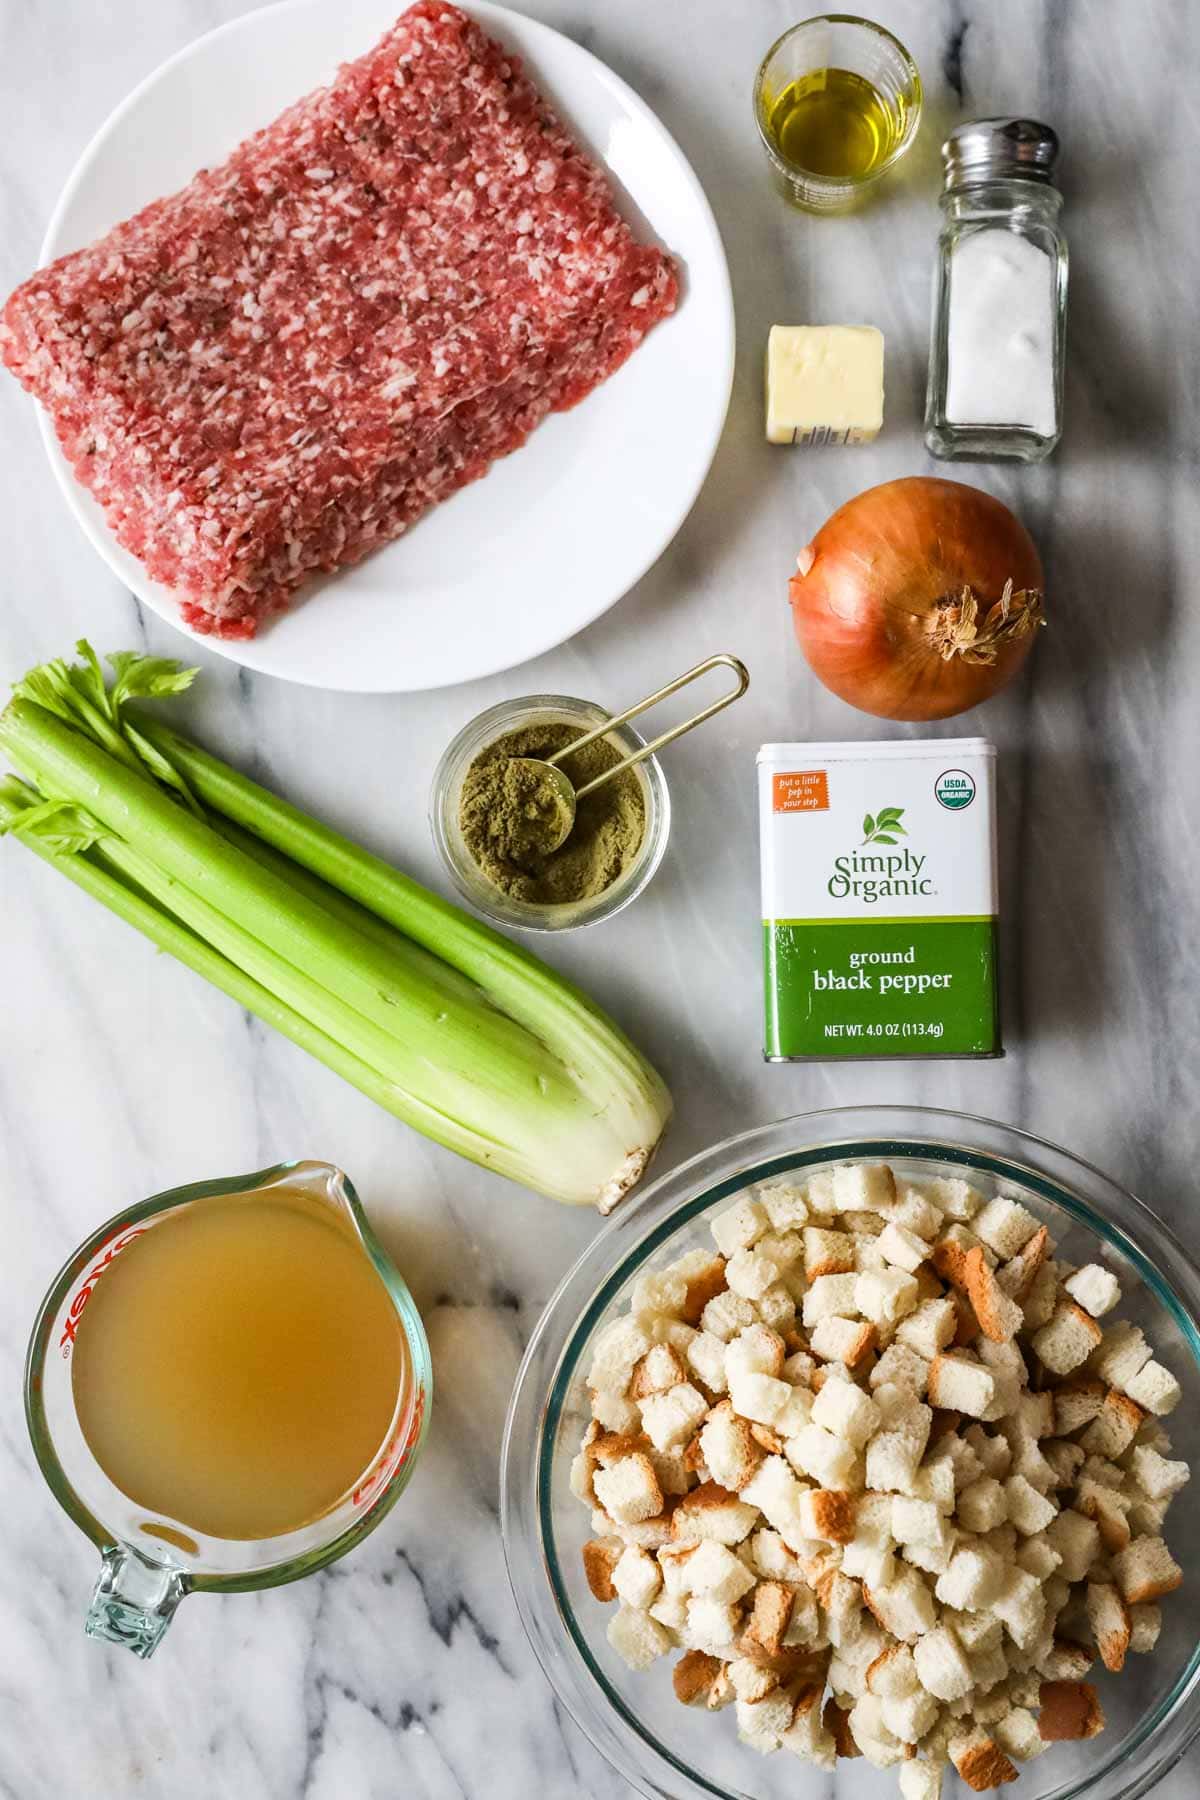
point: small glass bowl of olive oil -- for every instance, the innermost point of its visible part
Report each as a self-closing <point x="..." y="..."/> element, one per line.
<point x="837" y="101"/>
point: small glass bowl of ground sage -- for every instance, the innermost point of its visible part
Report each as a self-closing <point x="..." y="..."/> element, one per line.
<point x="488" y="822"/>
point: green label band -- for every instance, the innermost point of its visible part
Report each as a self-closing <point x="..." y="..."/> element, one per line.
<point x="881" y="987"/>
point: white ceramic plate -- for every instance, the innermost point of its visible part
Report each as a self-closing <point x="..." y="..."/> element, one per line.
<point x="517" y="562"/>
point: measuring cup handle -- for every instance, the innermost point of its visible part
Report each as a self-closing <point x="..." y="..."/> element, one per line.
<point x="724" y="661"/>
<point x="134" y="1600"/>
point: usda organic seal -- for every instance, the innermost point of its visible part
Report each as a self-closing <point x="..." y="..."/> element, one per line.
<point x="955" y="789"/>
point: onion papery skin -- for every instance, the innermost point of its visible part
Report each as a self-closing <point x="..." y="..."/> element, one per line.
<point x="875" y="578"/>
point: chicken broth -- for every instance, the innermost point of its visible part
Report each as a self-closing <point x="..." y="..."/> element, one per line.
<point x="239" y="1365"/>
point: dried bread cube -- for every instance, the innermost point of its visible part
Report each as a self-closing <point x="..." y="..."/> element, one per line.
<point x="712" y="1625"/>
<point x="892" y="1673"/>
<point x="714" y="1571"/>
<point x="1155" y="1388"/>
<point x="771" y="1615"/>
<point x="620" y="1345"/>
<point x="909" y="1716"/>
<point x="636" y="1578"/>
<point x="1095" y="1288"/>
<point x="973" y="1580"/>
<point x="615" y="1412"/>
<point x="694" y="1677"/>
<point x="819" y="1194"/>
<point x="785" y="1205"/>
<point x="755" y="1350"/>
<point x="885" y="1295"/>
<point x="871" y="1734"/>
<point x="1065" y="1458"/>
<point x="1005" y="1226"/>
<point x="659" y="1370"/>
<point x="1020" y="1606"/>
<point x="1071" y="1336"/>
<point x="1110" y="1622"/>
<point x="1028" y="1510"/>
<point x="1121" y="1352"/>
<point x="941" y="1664"/>
<point x="1018" y="1736"/>
<point x="600" y="1558"/>
<point x="917" y="1522"/>
<point x="1145" y="1623"/>
<point x="1070" y="1710"/>
<point x="637" y="1638"/>
<point x="751" y="1681"/>
<point x="955" y="1197"/>
<point x="847" y="1341"/>
<point x="1038" y="1557"/>
<point x="961" y="1383"/>
<point x="750" y="1274"/>
<point x="1017" y="1276"/>
<point x="929" y="1329"/>
<point x="1115" y="1426"/>
<point x="727" y="1445"/>
<point x="808" y="1735"/>
<point x="671" y="1419"/>
<point x="982" y="1505"/>
<point x="670" y="1610"/>
<point x="758" y="1397"/>
<point x="726" y="1314"/>
<point x="658" y="1291"/>
<point x="762" y="1723"/>
<point x="1146" y="1571"/>
<point x="709" y="1511"/>
<point x="777" y="1307"/>
<point x="830" y="1296"/>
<point x="920" y="1780"/>
<point x="863" y="1187"/>
<point x="1077" y="1402"/>
<point x="980" y="1761"/>
<point x="899" y="1245"/>
<point x="898" y="1366"/>
<point x="1157" y="1478"/>
<point x="827" y="1252"/>
<point x="915" y="1211"/>
<point x="1077" y="1541"/>
<point x="740" y="1225"/>
<point x="829" y="1460"/>
<point x="703" y="1277"/>
<point x="706" y="1359"/>
<point x="845" y="1410"/>
<point x="774" y="1490"/>
<point x="934" y="1481"/>
<point x="827" y="1515"/>
<point x="1000" y="1317"/>
<point x="1039" y="1302"/>
<point x="904" y="1607"/>
<point x="628" y="1491"/>
<point x="1066" y="1661"/>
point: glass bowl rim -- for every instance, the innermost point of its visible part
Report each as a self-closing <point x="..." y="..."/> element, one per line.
<point x="850" y="183"/>
<point x="613" y="899"/>
<point x="526" y="1494"/>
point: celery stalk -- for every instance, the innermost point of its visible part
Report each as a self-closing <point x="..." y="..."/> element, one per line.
<point x="448" y="1024"/>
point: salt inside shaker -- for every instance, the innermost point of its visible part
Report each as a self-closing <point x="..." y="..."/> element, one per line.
<point x="1000" y="297"/>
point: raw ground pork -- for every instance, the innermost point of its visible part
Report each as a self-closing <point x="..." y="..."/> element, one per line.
<point x="279" y="368"/>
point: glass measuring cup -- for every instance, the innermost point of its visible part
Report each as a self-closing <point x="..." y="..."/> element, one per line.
<point x="150" y="1562"/>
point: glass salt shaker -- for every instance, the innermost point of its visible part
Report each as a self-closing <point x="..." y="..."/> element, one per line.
<point x="995" y="388"/>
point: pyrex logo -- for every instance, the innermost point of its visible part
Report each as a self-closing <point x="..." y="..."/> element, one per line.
<point x="871" y="877"/>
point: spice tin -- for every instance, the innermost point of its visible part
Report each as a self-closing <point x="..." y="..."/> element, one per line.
<point x="879" y="899"/>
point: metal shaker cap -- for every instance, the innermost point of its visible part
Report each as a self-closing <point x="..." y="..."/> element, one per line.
<point x="991" y="149"/>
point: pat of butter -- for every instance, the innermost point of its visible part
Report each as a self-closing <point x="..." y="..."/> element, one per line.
<point x="824" y="384"/>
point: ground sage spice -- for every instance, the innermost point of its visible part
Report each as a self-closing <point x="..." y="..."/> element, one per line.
<point x="507" y="815"/>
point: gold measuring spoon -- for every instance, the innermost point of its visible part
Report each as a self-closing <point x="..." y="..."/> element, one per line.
<point x="547" y="792"/>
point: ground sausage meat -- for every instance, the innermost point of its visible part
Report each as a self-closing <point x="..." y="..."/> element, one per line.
<point x="279" y="368"/>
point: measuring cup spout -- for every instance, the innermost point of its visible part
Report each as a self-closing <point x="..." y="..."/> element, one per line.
<point x="134" y="1600"/>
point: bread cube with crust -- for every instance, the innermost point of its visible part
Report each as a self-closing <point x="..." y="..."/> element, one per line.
<point x="845" y="1410"/>
<point x="1017" y="1276"/>
<point x="1005" y="1226"/>
<point x="1070" y="1710"/>
<point x="772" y="1557"/>
<point x="1071" y="1336"/>
<point x="1155" y="1476"/>
<point x="762" y="1723"/>
<point x="658" y="1371"/>
<point x="827" y="1252"/>
<point x="980" y="1761"/>
<point x="1155" y="1388"/>
<point x="863" y="1187"/>
<point x="637" y="1638"/>
<point x="893" y="1673"/>
<point x="620" y="1345"/>
<point x="600" y="1558"/>
<point x="1112" y="1627"/>
<point x="1095" y="1288"/>
<point x="636" y="1578"/>
<point x="710" y="1511"/>
<point x="628" y="1490"/>
<point x="740" y="1225"/>
<point x="694" y="1677"/>
<point x="847" y="1341"/>
<point x="827" y="1515"/>
<point x="961" y="1383"/>
<point x="808" y="1735"/>
<point x="1146" y="1571"/>
<point x="885" y="1295"/>
<point x="905" y="1607"/>
<point x="703" y="1276"/>
<point x="670" y="1419"/>
<point x="1000" y="1317"/>
<point x="1122" y="1350"/>
<point x="929" y="1329"/>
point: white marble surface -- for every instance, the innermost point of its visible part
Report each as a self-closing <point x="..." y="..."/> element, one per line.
<point x="404" y="1669"/>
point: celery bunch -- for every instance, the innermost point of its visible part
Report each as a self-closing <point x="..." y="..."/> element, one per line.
<point x="438" y="1018"/>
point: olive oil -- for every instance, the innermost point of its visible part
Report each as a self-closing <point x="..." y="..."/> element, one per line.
<point x="834" y="123"/>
